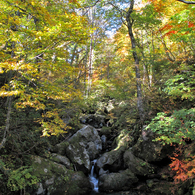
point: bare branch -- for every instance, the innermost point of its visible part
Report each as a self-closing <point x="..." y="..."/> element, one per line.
<point x="187" y="2"/>
<point x="93" y="4"/>
<point x="121" y="13"/>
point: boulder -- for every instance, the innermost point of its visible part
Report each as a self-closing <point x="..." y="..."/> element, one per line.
<point x="84" y="146"/>
<point x="117" y="181"/>
<point x="60" y="148"/>
<point x="56" y="179"/>
<point x="112" y="160"/>
<point x="137" y="165"/>
<point x="124" y="139"/>
<point x="88" y="137"/>
<point x="95" y="120"/>
<point x="61" y="160"/>
<point x="105" y="131"/>
<point x="149" y="150"/>
<point x="78" y="155"/>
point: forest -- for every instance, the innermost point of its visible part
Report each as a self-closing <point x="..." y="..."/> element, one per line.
<point x="125" y="67"/>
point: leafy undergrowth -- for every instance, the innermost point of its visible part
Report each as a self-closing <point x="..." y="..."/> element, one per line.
<point x="175" y="128"/>
<point x="183" y="163"/>
<point x="185" y="169"/>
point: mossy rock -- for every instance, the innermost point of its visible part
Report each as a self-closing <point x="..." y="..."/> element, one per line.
<point x="106" y="130"/>
<point x="60" y="148"/>
<point x="117" y="181"/>
<point x="112" y="160"/>
<point x="56" y="179"/>
<point x="124" y="139"/>
<point x="137" y="165"/>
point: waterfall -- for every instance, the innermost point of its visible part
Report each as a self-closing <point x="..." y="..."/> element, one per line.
<point x="93" y="177"/>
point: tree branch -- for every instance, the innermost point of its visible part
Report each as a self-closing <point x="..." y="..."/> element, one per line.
<point x="92" y="5"/>
<point x="187" y="2"/>
<point x="121" y="13"/>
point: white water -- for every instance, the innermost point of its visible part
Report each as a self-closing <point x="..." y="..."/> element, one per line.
<point x="93" y="177"/>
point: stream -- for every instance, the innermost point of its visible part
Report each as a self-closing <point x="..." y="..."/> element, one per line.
<point x="94" y="182"/>
<point x="93" y="178"/>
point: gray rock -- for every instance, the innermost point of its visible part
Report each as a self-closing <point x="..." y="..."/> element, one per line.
<point x="83" y="147"/>
<point x="86" y="135"/>
<point x="117" y="181"/>
<point x="40" y="189"/>
<point x="111" y="160"/>
<point x="61" y="159"/>
<point x="148" y="150"/>
<point x="136" y="165"/>
<point x="95" y="120"/>
<point x="57" y="179"/>
<point x="79" y="157"/>
<point x="104" y="140"/>
<point x="60" y="148"/>
<point x="102" y="171"/>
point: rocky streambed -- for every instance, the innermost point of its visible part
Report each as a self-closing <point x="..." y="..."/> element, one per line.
<point x="94" y="161"/>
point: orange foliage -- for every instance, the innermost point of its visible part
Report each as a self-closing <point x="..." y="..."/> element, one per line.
<point x="191" y="24"/>
<point x="170" y="27"/>
<point x="170" y="33"/>
<point x="158" y="4"/>
<point x="166" y="27"/>
<point x="185" y="169"/>
<point x="72" y="1"/>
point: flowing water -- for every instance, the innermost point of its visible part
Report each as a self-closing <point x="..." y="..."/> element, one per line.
<point x="93" y="177"/>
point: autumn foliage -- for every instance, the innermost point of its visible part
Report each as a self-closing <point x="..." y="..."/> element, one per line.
<point x="183" y="166"/>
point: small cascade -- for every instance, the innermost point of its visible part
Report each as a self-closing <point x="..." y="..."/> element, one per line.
<point x="93" y="177"/>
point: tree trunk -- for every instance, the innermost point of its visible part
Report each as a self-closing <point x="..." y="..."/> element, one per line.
<point x="6" y="132"/>
<point x="90" y="71"/>
<point x="133" y="46"/>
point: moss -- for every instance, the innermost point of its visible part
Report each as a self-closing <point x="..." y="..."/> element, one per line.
<point x="59" y="180"/>
<point x="60" y="148"/>
<point x="124" y="139"/>
<point x="106" y="130"/>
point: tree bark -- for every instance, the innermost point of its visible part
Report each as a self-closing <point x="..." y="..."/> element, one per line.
<point x="6" y="132"/>
<point x="130" y="21"/>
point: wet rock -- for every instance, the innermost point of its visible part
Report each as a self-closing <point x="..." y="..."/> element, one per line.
<point x="117" y="181"/>
<point x="112" y="160"/>
<point x="104" y="142"/>
<point x="102" y="171"/>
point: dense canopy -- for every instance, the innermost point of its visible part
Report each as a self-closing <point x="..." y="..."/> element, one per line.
<point x="60" y="59"/>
